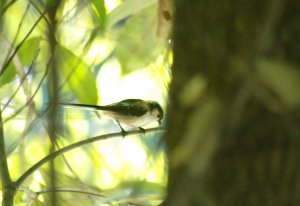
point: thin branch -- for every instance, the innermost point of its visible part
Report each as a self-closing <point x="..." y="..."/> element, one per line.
<point x="28" y="102"/>
<point x="30" y="194"/>
<point x="19" y="46"/>
<point x="8" y="5"/>
<point x="71" y="10"/>
<point x="21" y="148"/>
<point x="17" y="34"/>
<point x="79" y="144"/>
<point x="35" y="6"/>
<point x="22" y="80"/>
<point x="56" y="144"/>
<point x="46" y="190"/>
<point x="34" y="195"/>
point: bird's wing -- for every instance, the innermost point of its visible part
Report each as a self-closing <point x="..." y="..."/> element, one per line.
<point x="130" y="101"/>
<point x="130" y="107"/>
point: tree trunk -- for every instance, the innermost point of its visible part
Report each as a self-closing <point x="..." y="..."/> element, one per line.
<point x="234" y="120"/>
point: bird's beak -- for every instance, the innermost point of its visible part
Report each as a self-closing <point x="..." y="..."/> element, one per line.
<point x="159" y="122"/>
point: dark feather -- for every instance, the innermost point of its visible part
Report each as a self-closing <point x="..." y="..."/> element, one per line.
<point x="131" y="101"/>
<point x="136" y="108"/>
<point x="127" y="110"/>
<point x="82" y="106"/>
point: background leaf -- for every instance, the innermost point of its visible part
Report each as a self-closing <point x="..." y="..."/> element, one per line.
<point x="138" y="44"/>
<point x="28" y="51"/>
<point x="126" y="9"/>
<point x="26" y="54"/>
<point x="121" y="12"/>
<point x="101" y="12"/>
<point x="80" y="80"/>
<point x="9" y="74"/>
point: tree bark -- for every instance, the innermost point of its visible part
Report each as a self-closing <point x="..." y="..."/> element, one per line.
<point x="234" y="119"/>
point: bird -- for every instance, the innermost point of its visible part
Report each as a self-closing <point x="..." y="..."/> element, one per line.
<point x="131" y="113"/>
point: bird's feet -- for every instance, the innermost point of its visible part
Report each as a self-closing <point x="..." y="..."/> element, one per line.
<point x="124" y="133"/>
<point x="142" y="130"/>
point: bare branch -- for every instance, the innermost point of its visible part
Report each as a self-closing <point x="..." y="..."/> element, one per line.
<point x="79" y="144"/>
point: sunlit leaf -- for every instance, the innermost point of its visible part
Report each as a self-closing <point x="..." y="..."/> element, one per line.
<point x="28" y="51"/>
<point x="138" y="44"/>
<point x="8" y="75"/>
<point x="136" y="192"/>
<point x="101" y="12"/>
<point x="50" y="3"/>
<point x="126" y="9"/>
<point x="79" y="78"/>
<point x="121" y="12"/>
<point x="26" y="54"/>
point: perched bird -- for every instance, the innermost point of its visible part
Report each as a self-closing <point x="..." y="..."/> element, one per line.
<point x="131" y="113"/>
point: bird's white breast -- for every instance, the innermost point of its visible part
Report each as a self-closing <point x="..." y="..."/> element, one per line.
<point x="132" y="121"/>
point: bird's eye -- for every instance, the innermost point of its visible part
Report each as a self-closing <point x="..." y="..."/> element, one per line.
<point x="158" y="116"/>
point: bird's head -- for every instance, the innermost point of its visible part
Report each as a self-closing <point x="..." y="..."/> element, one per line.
<point x="157" y="111"/>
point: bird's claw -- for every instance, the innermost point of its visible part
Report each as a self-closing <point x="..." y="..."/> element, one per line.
<point x="142" y="130"/>
<point x="124" y="133"/>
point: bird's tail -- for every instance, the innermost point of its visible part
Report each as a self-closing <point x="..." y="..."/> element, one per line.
<point x="82" y="106"/>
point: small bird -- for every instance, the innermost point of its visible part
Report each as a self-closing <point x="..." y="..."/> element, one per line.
<point x="132" y="113"/>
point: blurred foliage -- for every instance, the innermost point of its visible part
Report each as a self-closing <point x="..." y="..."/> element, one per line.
<point x="90" y="36"/>
<point x="137" y="49"/>
<point x="77" y="75"/>
<point x="26" y="54"/>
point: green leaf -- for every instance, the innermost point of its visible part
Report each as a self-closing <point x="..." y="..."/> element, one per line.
<point x="28" y="51"/>
<point x="8" y="75"/>
<point x="26" y="54"/>
<point x="126" y="9"/>
<point x="78" y="76"/>
<point x="138" y="44"/>
<point x="136" y="192"/>
<point x="101" y="12"/>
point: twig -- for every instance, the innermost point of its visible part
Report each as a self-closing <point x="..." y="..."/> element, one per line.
<point x="56" y="144"/>
<point x="7" y="6"/>
<point x="34" y="195"/>
<point x="17" y="34"/>
<point x="30" y="194"/>
<point x="28" y="102"/>
<point x="19" y="46"/>
<point x="70" y="10"/>
<point x="79" y="144"/>
<point x="35" y="6"/>
<point x="46" y="190"/>
<point x="22" y="80"/>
